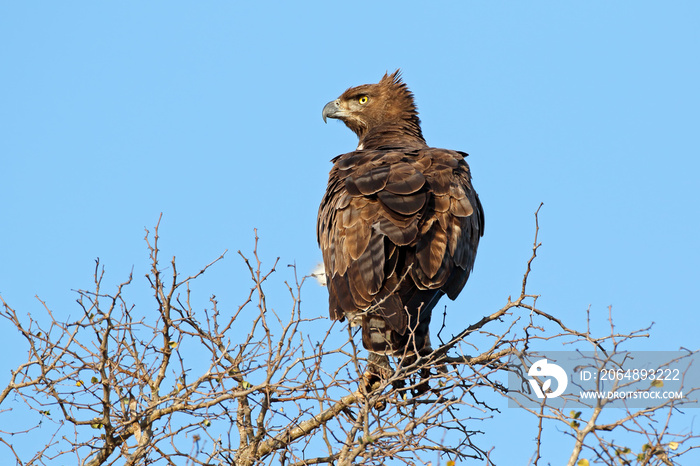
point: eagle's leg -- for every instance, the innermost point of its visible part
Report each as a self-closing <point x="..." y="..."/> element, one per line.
<point x="424" y="372"/>
<point x="378" y="369"/>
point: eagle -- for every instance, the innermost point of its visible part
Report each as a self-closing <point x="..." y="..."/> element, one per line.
<point x="399" y="224"/>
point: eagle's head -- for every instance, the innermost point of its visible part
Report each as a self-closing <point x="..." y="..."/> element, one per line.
<point x="385" y="107"/>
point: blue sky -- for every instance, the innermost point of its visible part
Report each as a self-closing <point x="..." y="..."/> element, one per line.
<point x="211" y="114"/>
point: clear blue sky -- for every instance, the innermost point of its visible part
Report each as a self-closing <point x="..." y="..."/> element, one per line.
<point x="210" y="112"/>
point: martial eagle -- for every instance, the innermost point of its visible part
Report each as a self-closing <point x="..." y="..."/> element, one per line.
<point x="399" y="223"/>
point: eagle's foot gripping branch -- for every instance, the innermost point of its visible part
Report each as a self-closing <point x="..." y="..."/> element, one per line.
<point x="379" y="372"/>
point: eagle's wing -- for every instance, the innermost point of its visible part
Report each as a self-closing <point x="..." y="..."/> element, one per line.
<point x="397" y="229"/>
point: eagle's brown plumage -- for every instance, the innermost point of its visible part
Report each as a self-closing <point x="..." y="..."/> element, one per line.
<point x="399" y="224"/>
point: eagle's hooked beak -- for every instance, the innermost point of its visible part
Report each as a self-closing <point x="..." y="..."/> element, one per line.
<point x="332" y="110"/>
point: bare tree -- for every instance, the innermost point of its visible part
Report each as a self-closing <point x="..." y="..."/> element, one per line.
<point x="250" y="385"/>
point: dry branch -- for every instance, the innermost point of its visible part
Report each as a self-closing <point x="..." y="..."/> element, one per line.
<point x="250" y="385"/>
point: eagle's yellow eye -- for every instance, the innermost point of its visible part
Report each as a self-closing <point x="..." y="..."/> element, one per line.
<point x="363" y="100"/>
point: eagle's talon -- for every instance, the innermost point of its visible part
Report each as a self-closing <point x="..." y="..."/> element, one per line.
<point x="371" y="381"/>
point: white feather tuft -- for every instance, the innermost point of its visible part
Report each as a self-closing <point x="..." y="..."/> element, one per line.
<point x="319" y="273"/>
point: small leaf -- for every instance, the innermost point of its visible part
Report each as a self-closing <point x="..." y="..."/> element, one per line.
<point x="172" y="344"/>
<point x="582" y="462"/>
<point x="79" y="383"/>
<point x="94" y="379"/>
<point x="673" y="445"/>
<point x="645" y="447"/>
<point x="451" y="463"/>
<point x="657" y="383"/>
